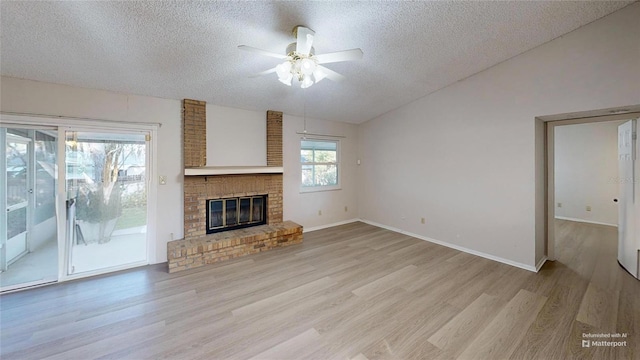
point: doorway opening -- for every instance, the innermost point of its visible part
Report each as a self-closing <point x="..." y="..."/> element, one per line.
<point x="594" y="214"/>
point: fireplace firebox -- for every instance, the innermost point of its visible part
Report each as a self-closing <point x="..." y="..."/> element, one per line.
<point x="235" y="213"/>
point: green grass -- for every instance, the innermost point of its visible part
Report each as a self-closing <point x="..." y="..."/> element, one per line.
<point x="132" y="217"/>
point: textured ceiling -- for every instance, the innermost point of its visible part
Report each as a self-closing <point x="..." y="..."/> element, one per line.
<point x="189" y="49"/>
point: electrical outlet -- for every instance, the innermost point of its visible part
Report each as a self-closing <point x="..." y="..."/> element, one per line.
<point x="319" y="212"/>
<point x="346" y="209"/>
<point x="588" y="208"/>
<point x="422" y="220"/>
<point x="162" y="180"/>
<point x="559" y="204"/>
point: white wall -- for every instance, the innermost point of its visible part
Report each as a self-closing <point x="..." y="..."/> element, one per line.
<point x="467" y="157"/>
<point x="586" y="169"/>
<point x="236" y="137"/>
<point x="303" y="207"/>
<point x="33" y="97"/>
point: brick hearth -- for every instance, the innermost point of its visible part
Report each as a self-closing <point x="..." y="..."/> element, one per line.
<point x="195" y="252"/>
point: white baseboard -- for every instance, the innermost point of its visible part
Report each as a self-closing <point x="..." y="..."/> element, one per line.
<point x="456" y="247"/>
<point x="540" y="263"/>
<point x="305" y="229"/>
<point x="585" y="221"/>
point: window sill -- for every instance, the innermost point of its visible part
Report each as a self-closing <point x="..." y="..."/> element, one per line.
<point x="305" y="190"/>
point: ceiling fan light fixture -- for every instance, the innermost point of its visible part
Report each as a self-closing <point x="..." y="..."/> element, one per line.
<point x="286" y="80"/>
<point x="318" y="74"/>
<point x="306" y="81"/>
<point x="283" y="70"/>
<point x="307" y="66"/>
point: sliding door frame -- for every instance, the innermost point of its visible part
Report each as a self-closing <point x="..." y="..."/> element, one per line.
<point x="64" y="124"/>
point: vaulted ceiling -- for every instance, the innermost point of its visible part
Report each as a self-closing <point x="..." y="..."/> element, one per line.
<point x="189" y="49"/>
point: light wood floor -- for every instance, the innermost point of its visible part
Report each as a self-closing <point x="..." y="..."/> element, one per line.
<point x="349" y="292"/>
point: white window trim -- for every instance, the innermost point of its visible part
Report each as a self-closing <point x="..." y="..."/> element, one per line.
<point x="320" y="188"/>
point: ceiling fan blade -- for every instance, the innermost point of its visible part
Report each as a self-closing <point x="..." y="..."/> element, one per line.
<point x="262" y="52"/>
<point x="266" y="72"/>
<point x="346" y="55"/>
<point x="331" y="74"/>
<point x="304" y="40"/>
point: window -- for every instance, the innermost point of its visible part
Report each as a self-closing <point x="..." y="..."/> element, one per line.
<point x="319" y="161"/>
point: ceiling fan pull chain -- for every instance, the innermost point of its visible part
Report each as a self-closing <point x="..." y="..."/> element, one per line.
<point x="304" y="102"/>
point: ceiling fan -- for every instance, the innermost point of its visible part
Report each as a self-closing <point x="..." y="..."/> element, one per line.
<point x="301" y="62"/>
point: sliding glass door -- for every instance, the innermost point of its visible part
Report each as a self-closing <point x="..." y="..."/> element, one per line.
<point x="28" y="241"/>
<point x="106" y="186"/>
<point x="75" y="199"/>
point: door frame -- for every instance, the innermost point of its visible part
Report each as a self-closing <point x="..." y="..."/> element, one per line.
<point x="63" y="131"/>
<point x="75" y="124"/>
<point x="549" y="167"/>
<point x="3" y="200"/>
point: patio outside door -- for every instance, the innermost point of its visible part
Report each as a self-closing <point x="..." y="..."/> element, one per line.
<point x="28" y="222"/>
<point x="106" y="184"/>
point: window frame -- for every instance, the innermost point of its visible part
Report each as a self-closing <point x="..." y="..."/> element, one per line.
<point x="318" y="188"/>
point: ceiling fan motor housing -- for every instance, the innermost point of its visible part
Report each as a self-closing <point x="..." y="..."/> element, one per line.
<point x="291" y="51"/>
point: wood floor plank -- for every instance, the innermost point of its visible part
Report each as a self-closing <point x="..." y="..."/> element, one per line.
<point x="412" y="332"/>
<point x="291" y="348"/>
<point x="360" y="356"/>
<point x="23" y="332"/>
<point x="467" y="324"/>
<point x="549" y="335"/>
<point x="409" y="249"/>
<point x="287" y="296"/>
<point x="192" y="333"/>
<point x="106" y="346"/>
<point x="386" y="282"/>
<point x="500" y="338"/>
<point x="599" y="308"/>
<point x="80" y="327"/>
<point x="347" y="334"/>
<point x="475" y="286"/>
<point x="392" y="240"/>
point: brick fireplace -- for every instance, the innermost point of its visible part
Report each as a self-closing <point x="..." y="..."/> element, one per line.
<point x="203" y="184"/>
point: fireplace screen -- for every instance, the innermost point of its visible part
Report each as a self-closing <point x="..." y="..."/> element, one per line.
<point x="235" y="213"/>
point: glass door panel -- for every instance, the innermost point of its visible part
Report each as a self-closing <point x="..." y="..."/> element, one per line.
<point x="17" y="169"/>
<point x="29" y="254"/>
<point x="106" y="177"/>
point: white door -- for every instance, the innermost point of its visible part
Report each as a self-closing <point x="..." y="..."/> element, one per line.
<point x="627" y="243"/>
